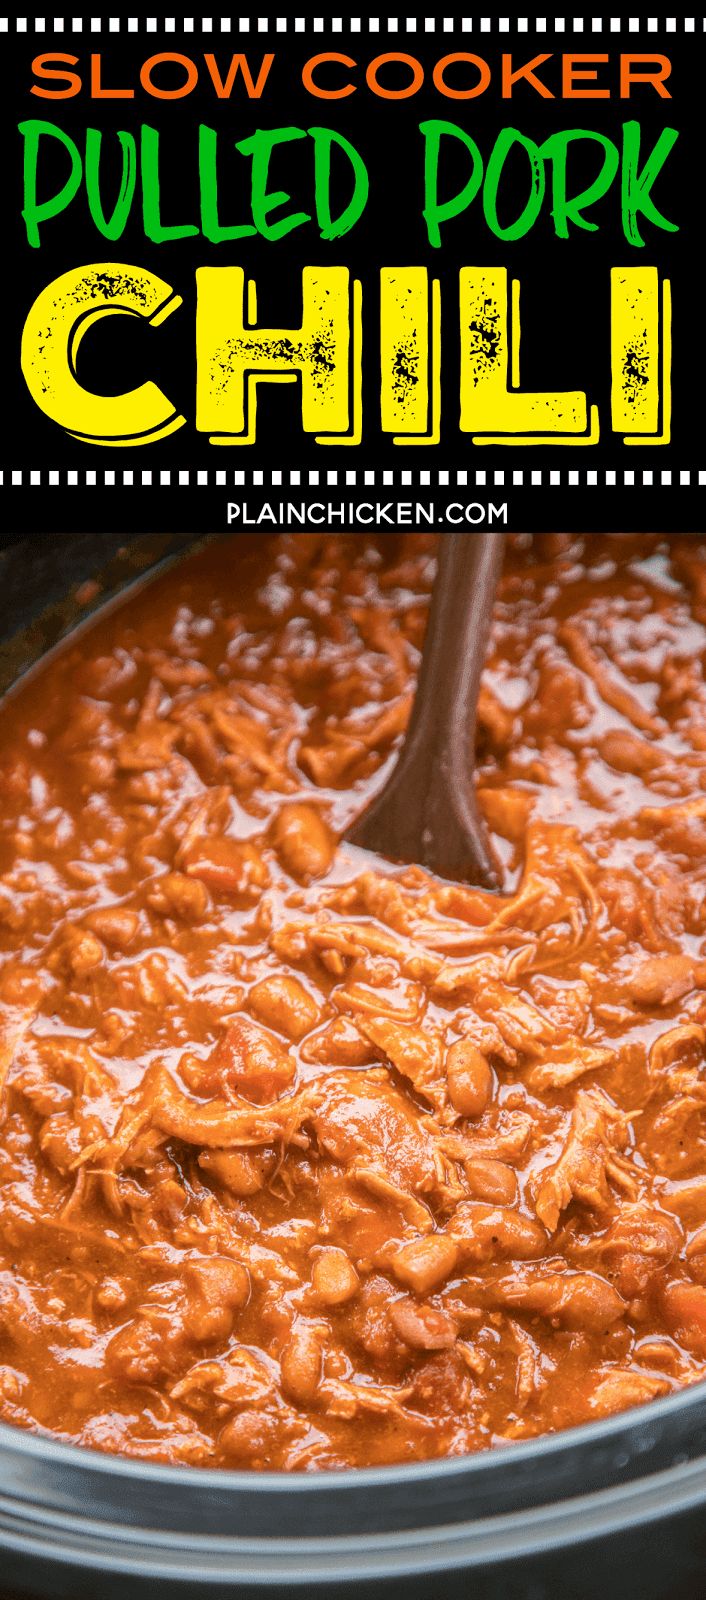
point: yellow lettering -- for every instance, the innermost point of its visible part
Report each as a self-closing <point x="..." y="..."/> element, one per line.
<point x="410" y="362"/>
<point x="57" y="324"/>
<point x="233" y="356"/>
<point x="492" y="407"/>
<point x="640" y="398"/>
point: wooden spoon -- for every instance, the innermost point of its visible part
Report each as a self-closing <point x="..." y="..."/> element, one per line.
<point x="427" y="810"/>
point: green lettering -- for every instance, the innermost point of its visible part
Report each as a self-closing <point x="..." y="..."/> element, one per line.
<point x="528" y="216"/>
<point x="636" y="185"/>
<point x="565" y="210"/>
<point x="330" y="227"/>
<point x="436" y="211"/>
<point x="155" y="229"/>
<point x="111" y="227"/>
<point x="208" y="181"/>
<point x="34" y="212"/>
<point x="260" y="147"/>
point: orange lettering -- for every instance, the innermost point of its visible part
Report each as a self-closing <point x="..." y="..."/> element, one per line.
<point x="41" y="69"/>
<point x="527" y="72"/>
<point x="253" y="89"/>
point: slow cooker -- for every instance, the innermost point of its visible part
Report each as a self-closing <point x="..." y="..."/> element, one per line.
<point x="614" y="1508"/>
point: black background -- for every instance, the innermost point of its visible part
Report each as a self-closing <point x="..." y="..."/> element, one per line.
<point x="565" y="284"/>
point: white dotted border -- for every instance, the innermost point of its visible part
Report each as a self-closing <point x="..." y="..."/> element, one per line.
<point x="365" y="477"/>
<point x="345" y="25"/>
<point x="202" y="478"/>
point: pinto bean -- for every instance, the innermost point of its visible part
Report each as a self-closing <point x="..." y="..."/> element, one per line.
<point x="490" y="1180"/>
<point x="579" y="1300"/>
<point x="637" y="1247"/>
<point x="626" y="752"/>
<point x="301" y="1361"/>
<point x="113" y="1294"/>
<point x="685" y="1311"/>
<point x="422" y="1327"/>
<point x="284" y="1004"/>
<point x="303" y="841"/>
<point x="248" y="1438"/>
<point x="339" y="1044"/>
<point x="77" y="952"/>
<point x="248" y="1059"/>
<point x="220" y="1280"/>
<point x="176" y="895"/>
<point x="218" y="1288"/>
<point x="469" y="1078"/>
<point x="424" y="1263"/>
<point x="334" y="1278"/>
<point x="663" y="979"/>
<point x="484" y="1232"/>
<point x="241" y="1171"/>
<point x="115" y="925"/>
<point x="138" y="1353"/>
<point x="228" y="866"/>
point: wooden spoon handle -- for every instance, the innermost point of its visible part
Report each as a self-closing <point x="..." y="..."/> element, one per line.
<point x="427" y="810"/>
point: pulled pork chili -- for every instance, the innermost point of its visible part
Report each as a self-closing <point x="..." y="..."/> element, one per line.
<point x="311" y="1161"/>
